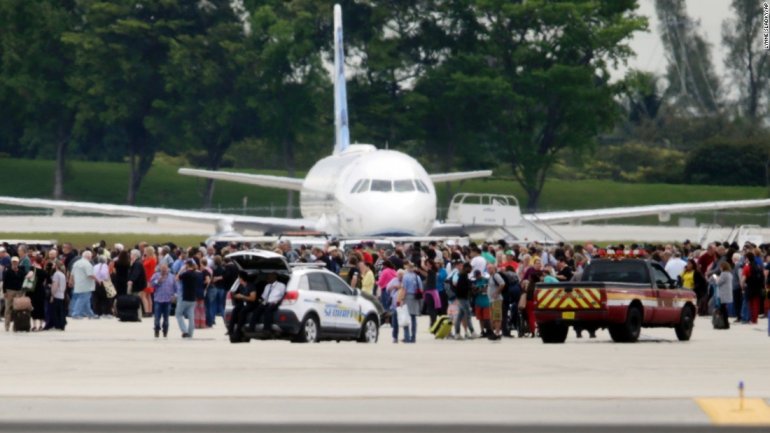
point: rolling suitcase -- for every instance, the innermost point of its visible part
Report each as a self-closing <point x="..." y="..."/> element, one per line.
<point x="127" y="308"/>
<point x="21" y="321"/>
<point x="442" y="328"/>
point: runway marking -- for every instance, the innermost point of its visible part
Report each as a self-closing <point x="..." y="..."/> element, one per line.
<point x="727" y="411"/>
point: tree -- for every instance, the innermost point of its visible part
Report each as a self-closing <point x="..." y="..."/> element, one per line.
<point x="730" y="161"/>
<point x="747" y="62"/>
<point x="35" y="68"/>
<point x="293" y="83"/>
<point x="692" y="82"/>
<point x="550" y="63"/>
<point x="121" y="49"/>
<point x="207" y="76"/>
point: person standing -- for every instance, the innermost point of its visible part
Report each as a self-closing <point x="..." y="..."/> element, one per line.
<point x="387" y="274"/>
<point x="190" y="278"/>
<point x="149" y="263"/>
<point x="24" y="261"/>
<point x="397" y="297"/>
<point x="200" y="294"/>
<point x="753" y="282"/>
<point x="58" y="288"/>
<point x="414" y="293"/>
<point x="13" y="278"/>
<point x="120" y="271"/>
<point x="165" y="287"/>
<point x="431" y="298"/>
<point x="83" y="285"/>
<point x="136" y="278"/>
<point x="495" y="287"/>
<point x="462" y="288"/>
<point x="737" y="291"/>
<point x="39" y="293"/>
<point x="367" y="278"/>
<point x="725" y="290"/>
<point x="216" y="293"/>
<point x="103" y="302"/>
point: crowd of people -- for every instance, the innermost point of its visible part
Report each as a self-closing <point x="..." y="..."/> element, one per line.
<point x="483" y="286"/>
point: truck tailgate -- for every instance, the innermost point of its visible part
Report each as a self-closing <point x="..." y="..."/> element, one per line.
<point x="570" y="298"/>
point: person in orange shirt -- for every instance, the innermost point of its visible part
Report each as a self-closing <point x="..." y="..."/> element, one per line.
<point x="149" y="263"/>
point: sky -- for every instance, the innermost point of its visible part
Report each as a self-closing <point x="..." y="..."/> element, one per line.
<point x="650" y="54"/>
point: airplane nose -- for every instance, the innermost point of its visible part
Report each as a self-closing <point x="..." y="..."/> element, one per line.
<point x="411" y="214"/>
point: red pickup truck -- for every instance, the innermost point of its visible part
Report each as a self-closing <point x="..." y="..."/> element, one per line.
<point x="621" y="295"/>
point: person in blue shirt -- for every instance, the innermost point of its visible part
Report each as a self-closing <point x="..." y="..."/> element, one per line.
<point x="441" y="277"/>
<point x="481" y="303"/>
<point x="412" y="284"/>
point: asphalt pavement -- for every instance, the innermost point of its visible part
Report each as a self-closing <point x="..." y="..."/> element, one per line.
<point x="112" y="375"/>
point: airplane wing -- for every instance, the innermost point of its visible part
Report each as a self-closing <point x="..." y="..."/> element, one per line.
<point x="223" y="222"/>
<point x="268" y="181"/>
<point x="663" y="211"/>
<point x="460" y="175"/>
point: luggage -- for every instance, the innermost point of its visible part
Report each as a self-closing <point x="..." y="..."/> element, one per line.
<point x="442" y="328"/>
<point x="718" y="320"/>
<point x="22" y="303"/>
<point x="127" y="308"/>
<point x="200" y="314"/>
<point x="21" y="320"/>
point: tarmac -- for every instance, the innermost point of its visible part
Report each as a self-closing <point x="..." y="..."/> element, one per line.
<point x="103" y="375"/>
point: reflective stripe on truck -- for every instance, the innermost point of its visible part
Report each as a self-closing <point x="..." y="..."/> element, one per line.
<point x="569" y="299"/>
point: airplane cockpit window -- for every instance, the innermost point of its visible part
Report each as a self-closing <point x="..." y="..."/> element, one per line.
<point x="363" y="187"/>
<point x="405" y="185"/>
<point x="381" y="185"/>
<point x="421" y="186"/>
<point x="355" y="187"/>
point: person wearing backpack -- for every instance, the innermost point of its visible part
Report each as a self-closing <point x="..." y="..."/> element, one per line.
<point x="753" y="282"/>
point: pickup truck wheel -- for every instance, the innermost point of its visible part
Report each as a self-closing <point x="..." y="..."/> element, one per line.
<point x="684" y="328"/>
<point x="629" y="331"/>
<point x="553" y="333"/>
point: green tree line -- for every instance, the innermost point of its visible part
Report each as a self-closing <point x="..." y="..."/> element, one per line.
<point x="460" y="84"/>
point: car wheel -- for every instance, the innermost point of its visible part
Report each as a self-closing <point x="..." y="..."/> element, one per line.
<point x="629" y="331"/>
<point x="553" y="332"/>
<point x="309" y="331"/>
<point x="684" y="327"/>
<point x="369" y="331"/>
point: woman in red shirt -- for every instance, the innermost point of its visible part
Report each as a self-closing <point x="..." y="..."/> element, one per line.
<point x="148" y="263"/>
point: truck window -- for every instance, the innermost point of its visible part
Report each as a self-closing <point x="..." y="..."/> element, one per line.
<point x="661" y="277"/>
<point x="617" y="272"/>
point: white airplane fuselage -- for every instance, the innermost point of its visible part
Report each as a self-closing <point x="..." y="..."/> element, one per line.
<point x="363" y="191"/>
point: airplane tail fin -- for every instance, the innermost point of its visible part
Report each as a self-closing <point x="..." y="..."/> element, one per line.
<point x="341" y="132"/>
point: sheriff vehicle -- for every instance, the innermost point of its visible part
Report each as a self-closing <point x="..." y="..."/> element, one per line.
<point x="318" y="304"/>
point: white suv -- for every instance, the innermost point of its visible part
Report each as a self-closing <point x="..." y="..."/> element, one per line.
<point x="318" y="304"/>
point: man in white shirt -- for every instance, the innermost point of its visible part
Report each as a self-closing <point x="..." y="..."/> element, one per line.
<point x="83" y="284"/>
<point x="478" y="263"/>
<point x="271" y="297"/>
<point x="675" y="266"/>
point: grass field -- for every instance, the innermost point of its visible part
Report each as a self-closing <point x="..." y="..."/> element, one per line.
<point x="81" y="240"/>
<point x="107" y="182"/>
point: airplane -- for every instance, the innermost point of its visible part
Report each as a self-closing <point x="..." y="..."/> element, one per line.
<point x="359" y="191"/>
